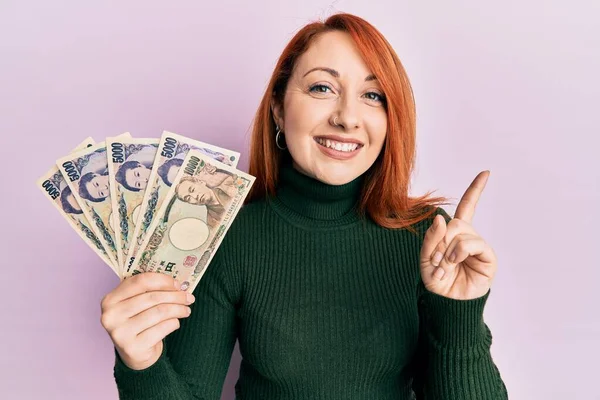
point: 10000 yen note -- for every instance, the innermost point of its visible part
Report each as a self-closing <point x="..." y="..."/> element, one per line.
<point x="204" y="199"/>
<point x="86" y="173"/>
<point x="56" y="189"/>
<point x="130" y="162"/>
<point x="172" y="150"/>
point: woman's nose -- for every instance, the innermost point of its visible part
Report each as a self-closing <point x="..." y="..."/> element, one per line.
<point x="348" y="113"/>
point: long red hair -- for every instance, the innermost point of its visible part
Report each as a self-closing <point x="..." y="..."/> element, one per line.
<point x="384" y="196"/>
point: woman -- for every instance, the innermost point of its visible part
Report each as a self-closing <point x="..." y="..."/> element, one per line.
<point x="168" y="171"/>
<point x="133" y="175"/>
<point x="93" y="186"/>
<point x="330" y="275"/>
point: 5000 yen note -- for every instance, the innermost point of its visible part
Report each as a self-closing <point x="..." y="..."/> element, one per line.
<point x="197" y="212"/>
<point x="56" y="189"/>
<point x="86" y="173"/>
<point x="130" y="162"/>
<point x="172" y="150"/>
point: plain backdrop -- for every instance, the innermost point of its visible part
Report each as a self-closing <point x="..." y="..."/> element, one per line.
<point x="507" y="86"/>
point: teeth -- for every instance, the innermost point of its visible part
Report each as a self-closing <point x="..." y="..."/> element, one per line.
<point x="345" y="147"/>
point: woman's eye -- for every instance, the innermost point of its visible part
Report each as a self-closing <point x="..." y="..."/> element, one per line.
<point x="319" y="88"/>
<point x="375" y="96"/>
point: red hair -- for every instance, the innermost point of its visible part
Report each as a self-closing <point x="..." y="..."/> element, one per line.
<point x="384" y="196"/>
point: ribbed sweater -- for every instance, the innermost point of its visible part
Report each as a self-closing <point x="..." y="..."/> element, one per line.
<point x="326" y="305"/>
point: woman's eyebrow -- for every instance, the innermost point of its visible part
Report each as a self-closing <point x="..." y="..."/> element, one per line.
<point x="336" y="74"/>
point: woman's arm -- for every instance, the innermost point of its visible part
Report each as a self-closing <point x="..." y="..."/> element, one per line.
<point x="453" y="359"/>
<point x="196" y="357"/>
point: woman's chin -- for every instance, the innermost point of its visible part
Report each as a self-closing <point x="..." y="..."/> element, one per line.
<point x="331" y="173"/>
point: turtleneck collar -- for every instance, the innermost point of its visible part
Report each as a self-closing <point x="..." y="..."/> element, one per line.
<point x="310" y="203"/>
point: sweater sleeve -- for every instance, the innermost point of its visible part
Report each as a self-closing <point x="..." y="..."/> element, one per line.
<point x="453" y="359"/>
<point x="196" y="357"/>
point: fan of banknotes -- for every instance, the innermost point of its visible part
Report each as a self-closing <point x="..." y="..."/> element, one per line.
<point x="141" y="204"/>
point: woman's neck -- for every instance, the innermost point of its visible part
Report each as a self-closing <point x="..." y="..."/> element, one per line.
<point x="310" y="202"/>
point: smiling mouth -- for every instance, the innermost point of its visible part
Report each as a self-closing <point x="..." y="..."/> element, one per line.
<point x="338" y="146"/>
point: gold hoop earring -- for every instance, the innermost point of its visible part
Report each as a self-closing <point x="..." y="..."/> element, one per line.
<point x="277" y="137"/>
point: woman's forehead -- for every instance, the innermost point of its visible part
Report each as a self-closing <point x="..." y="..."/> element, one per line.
<point x="131" y="172"/>
<point x="334" y="50"/>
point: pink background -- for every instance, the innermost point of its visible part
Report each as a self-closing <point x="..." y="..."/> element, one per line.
<point x="512" y="88"/>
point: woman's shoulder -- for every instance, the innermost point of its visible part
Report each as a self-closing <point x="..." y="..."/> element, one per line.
<point x="420" y="225"/>
<point x="425" y="223"/>
<point x="250" y="211"/>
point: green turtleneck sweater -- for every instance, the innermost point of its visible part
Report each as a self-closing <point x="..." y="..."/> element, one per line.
<point x="325" y="305"/>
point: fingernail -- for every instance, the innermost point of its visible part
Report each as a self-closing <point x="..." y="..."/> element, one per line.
<point x="439" y="273"/>
<point x="437" y="257"/>
<point x="177" y="284"/>
<point x="452" y="257"/>
<point x="190" y="298"/>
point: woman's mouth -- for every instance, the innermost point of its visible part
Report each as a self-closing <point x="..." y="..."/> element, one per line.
<point x="338" y="150"/>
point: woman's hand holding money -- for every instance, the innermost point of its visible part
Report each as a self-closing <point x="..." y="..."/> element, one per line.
<point x="140" y="312"/>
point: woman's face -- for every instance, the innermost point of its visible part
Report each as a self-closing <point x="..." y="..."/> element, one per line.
<point x="172" y="173"/>
<point x="98" y="187"/>
<point x="331" y="80"/>
<point x="73" y="202"/>
<point x="138" y="177"/>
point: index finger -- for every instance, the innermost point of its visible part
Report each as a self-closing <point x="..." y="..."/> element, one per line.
<point x="466" y="206"/>
<point x="141" y="283"/>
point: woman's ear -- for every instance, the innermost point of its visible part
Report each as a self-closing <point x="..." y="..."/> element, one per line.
<point x="277" y="112"/>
